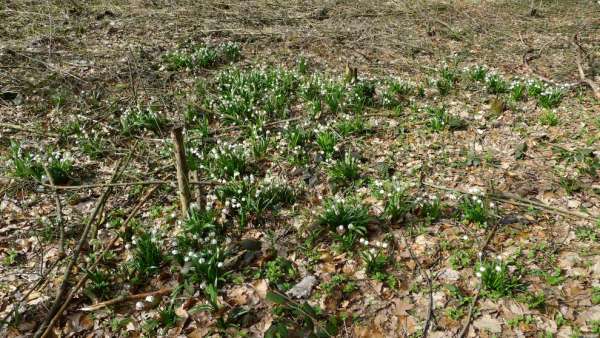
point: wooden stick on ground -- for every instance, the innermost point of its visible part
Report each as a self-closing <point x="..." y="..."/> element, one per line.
<point x="129" y="298"/>
<point x="84" y="278"/>
<point x="75" y="256"/>
<point x="580" y="50"/>
<point x="465" y="328"/>
<point x="59" y="218"/>
<point x="182" y="170"/>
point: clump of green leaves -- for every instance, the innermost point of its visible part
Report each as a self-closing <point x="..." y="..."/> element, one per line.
<point x="395" y="93"/>
<point x="147" y="257"/>
<point x="139" y="118"/>
<point x="25" y="164"/>
<point x="347" y="219"/>
<point x="549" y="118"/>
<point x="280" y="272"/>
<point x="496" y="84"/>
<point x="474" y="210"/>
<point x="439" y="120"/>
<point x="497" y="280"/>
<point x="344" y="171"/>
<point x="203" y="56"/>
<point x="294" y="319"/>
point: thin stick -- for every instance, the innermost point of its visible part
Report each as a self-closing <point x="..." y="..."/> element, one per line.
<point x="75" y="256"/>
<point x="128" y="298"/>
<point x="84" y="278"/>
<point x="59" y="218"/>
<point x="26" y="129"/>
<point x="465" y="328"/>
<point x="182" y="170"/>
<point x="520" y="201"/>
<point x="594" y="86"/>
<point x="104" y="185"/>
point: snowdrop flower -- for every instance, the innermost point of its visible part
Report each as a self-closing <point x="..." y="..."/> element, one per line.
<point x="200" y="260"/>
<point x="498" y="268"/>
<point x="350" y="226"/>
<point x="213" y="241"/>
<point x="480" y="254"/>
<point x="220" y="265"/>
<point x="361" y="240"/>
<point x="465" y="238"/>
<point x="139" y="306"/>
<point x="174" y="252"/>
<point x="150" y="299"/>
<point x="384" y="245"/>
<point x="478" y="274"/>
<point x="482" y="268"/>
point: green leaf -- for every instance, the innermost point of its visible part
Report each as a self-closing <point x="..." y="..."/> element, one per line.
<point x="276" y="298"/>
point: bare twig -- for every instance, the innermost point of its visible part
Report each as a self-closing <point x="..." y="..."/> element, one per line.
<point x="54" y="310"/>
<point x="59" y="218"/>
<point x="580" y="50"/>
<point x="128" y="298"/>
<point x="104" y="185"/>
<point x="465" y="328"/>
<point x="520" y="201"/>
<point x="27" y="129"/>
<point x="182" y="170"/>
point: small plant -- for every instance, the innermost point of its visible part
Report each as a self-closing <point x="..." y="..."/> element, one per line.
<point x="549" y="118"/>
<point x="439" y="120"/>
<point x="27" y="165"/>
<point x="138" y="119"/>
<point x="228" y="161"/>
<point x="351" y="125"/>
<point x="535" y="301"/>
<point x="346" y="218"/>
<point x="396" y="93"/>
<point x="99" y="284"/>
<point x="281" y="273"/>
<point x="326" y="140"/>
<point x="361" y="95"/>
<point x="586" y="233"/>
<point x="205" y="56"/>
<point x="430" y="208"/>
<point x="596" y="295"/>
<point x="340" y="282"/>
<point x="550" y="98"/>
<point x="344" y="171"/>
<point x="474" y="210"/>
<point x="334" y="96"/>
<point x="518" y="90"/>
<point x="535" y="88"/>
<point x="496" y="279"/>
<point x="147" y="257"/>
<point x="397" y="205"/>
<point x="496" y="84"/>
<point x="461" y="259"/>
<point x="478" y="73"/>
<point x="294" y="317"/>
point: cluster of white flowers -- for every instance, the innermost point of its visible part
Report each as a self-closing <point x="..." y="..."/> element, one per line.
<point x="497" y="267"/>
<point x="374" y="245"/>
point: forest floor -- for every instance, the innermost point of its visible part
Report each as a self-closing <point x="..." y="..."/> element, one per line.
<point x="357" y="168"/>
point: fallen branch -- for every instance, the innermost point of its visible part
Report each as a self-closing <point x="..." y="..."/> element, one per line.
<point x="429" y="285"/>
<point x="54" y="310"/>
<point x="519" y="201"/>
<point x="128" y="298"/>
<point x="580" y="50"/>
<point x="182" y="170"/>
<point x="465" y="328"/>
<point x="104" y="185"/>
<point x="27" y="129"/>
<point x="59" y="218"/>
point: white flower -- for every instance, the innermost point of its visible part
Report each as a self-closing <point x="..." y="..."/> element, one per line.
<point x="498" y="268"/>
<point x="213" y="241"/>
<point x="482" y="268"/>
<point x="139" y="306"/>
<point x="384" y="245"/>
<point x="350" y="226"/>
<point x="478" y="274"/>
<point x="150" y="299"/>
<point x="174" y="252"/>
<point x="465" y="237"/>
<point x="220" y="265"/>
